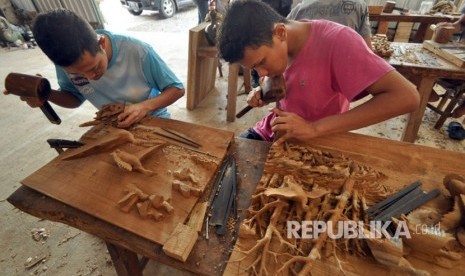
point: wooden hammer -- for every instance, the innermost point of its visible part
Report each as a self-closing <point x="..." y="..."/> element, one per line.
<point x="32" y="86"/>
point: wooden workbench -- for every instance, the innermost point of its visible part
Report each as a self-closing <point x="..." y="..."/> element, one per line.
<point x="209" y="256"/>
<point x="423" y="73"/>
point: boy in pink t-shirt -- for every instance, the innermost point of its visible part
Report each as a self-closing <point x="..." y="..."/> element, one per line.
<point x="325" y="65"/>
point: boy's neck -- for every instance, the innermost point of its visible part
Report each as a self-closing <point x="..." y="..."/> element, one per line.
<point x="106" y="45"/>
<point x="297" y="35"/>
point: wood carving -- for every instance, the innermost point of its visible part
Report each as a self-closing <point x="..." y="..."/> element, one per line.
<point x="461" y="235"/>
<point x="186" y="183"/>
<point x="129" y="162"/>
<point x="128" y="201"/>
<point x="148" y="206"/>
<point x="455" y="184"/>
<point x="300" y="183"/>
<point x="186" y="190"/>
<point x="304" y="184"/>
<point x="107" y="115"/>
<point x="112" y="138"/>
<point x="391" y="253"/>
<point x="186" y="174"/>
<point x="451" y="220"/>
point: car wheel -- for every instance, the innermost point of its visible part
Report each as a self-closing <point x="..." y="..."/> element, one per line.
<point x="167" y="8"/>
<point x="135" y="12"/>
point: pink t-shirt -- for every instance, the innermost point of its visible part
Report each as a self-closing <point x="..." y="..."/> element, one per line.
<point x="334" y="66"/>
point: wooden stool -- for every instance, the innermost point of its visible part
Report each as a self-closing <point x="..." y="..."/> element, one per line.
<point x="449" y="100"/>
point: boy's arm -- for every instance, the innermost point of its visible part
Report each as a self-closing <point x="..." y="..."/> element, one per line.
<point x="393" y="95"/>
<point x="161" y="78"/>
<point x="68" y="96"/>
<point x="135" y="112"/>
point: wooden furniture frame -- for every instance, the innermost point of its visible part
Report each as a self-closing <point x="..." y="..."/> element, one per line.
<point x="423" y="32"/>
<point x="201" y="73"/>
<point x="452" y="97"/>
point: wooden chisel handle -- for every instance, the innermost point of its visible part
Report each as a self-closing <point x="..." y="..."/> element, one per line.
<point x="51" y="115"/>
<point x="243" y="111"/>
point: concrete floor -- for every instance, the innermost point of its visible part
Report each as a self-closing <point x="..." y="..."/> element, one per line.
<point x="25" y="131"/>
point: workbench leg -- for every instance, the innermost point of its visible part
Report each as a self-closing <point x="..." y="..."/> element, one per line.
<point x="247" y="80"/>
<point x="232" y="92"/>
<point x="414" y="119"/>
<point x="126" y="262"/>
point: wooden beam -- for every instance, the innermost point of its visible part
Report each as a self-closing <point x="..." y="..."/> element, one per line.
<point x="179" y="245"/>
<point x="197" y="216"/>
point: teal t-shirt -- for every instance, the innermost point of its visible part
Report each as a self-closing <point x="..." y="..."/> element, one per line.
<point x="135" y="73"/>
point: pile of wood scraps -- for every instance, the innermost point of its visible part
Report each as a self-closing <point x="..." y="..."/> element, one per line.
<point x="381" y="46"/>
<point x="413" y="55"/>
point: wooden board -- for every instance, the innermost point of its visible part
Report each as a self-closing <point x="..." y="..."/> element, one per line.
<point x="452" y="52"/>
<point x="94" y="184"/>
<point x="402" y="163"/>
<point x="403" y="31"/>
<point x="201" y="68"/>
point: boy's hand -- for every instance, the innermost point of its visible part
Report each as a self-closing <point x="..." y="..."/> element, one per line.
<point x="254" y="99"/>
<point x="292" y="125"/>
<point x="132" y="114"/>
<point x="31" y="101"/>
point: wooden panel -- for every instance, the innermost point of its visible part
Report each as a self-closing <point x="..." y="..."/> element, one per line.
<point x="403" y="164"/>
<point x="215" y="250"/>
<point x="451" y="52"/>
<point x="94" y="184"/>
<point x="403" y="31"/>
<point x="201" y="69"/>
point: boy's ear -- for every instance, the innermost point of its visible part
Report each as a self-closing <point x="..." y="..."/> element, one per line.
<point x="280" y="31"/>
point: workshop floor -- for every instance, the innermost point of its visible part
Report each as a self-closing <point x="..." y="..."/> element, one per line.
<point x="24" y="150"/>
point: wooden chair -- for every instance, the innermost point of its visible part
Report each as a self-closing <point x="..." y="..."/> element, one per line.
<point x="452" y="98"/>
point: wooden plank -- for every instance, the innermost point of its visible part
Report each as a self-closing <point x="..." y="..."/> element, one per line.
<point x="94" y="184"/>
<point x="197" y="216"/>
<point x="205" y="252"/>
<point x="201" y="69"/>
<point x="451" y="55"/>
<point x="402" y="163"/>
<point x="179" y="245"/>
<point x="403" y="32"/>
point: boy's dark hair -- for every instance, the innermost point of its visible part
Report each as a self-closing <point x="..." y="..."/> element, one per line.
<point x="247" y="23"/>
<point x="64" y="36"/>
